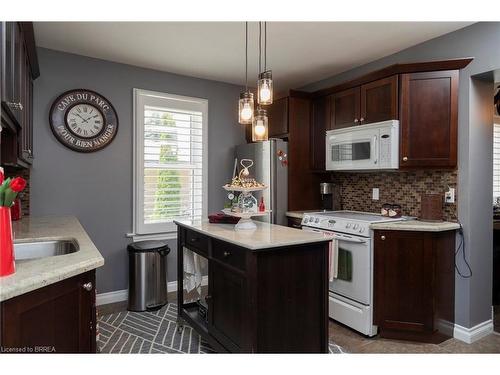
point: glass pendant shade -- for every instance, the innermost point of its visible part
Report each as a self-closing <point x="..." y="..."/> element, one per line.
<point x="260" y="126"/>
<point x="245" y="108"/>
<point x="265" y="88"/>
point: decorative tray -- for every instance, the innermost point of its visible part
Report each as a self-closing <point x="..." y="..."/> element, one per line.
<point x="243" y="189"/>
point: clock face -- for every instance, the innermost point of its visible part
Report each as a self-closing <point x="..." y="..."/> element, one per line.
<point x="85" y="120"/>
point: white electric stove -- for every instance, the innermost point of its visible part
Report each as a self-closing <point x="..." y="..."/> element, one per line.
<point x="351" y="290"/>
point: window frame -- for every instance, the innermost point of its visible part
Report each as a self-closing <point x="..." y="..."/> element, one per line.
<point x="141" y="98"/>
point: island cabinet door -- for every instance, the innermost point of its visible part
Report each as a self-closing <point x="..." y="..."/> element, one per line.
<point x="227" y="309"/>
<point x="59" y="318"/>
<point x="404" y="279"/>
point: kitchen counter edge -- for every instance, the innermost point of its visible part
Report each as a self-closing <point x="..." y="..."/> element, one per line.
<point x="266" y="236"/>
<point x="417" y="226"/>
<point x="34" y="274"/>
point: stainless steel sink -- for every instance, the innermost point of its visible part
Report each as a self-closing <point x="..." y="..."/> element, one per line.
<point x="42" y="249"/>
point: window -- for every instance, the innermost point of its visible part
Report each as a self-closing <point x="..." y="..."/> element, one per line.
<point x="496" y="161"/>
<point x="170" y="171"/>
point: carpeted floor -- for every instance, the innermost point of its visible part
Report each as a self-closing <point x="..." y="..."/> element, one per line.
<point x="154" y="332"/>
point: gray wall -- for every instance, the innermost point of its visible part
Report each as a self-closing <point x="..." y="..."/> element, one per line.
<point x="97" y="187"/>
<point x="481" y="41"/>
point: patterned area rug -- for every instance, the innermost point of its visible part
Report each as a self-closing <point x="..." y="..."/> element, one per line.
<point x="153" y="332"/>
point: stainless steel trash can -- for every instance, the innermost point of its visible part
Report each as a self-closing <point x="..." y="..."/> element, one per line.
<point x="147" y="275"/>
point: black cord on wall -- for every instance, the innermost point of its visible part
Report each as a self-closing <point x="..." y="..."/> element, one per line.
<point x="461" y="247"/>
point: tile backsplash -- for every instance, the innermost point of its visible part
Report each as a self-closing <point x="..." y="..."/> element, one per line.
<point x="403" y="188"/>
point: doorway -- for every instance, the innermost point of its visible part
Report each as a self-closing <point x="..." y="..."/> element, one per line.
<point x="496" y="208"/>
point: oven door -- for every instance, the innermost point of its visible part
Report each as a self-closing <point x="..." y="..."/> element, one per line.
<point x="352" y="150"/>
<point x="353" y="271"/>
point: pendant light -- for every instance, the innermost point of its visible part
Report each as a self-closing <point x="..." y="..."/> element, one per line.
<point x="260" y="125"/>
<point x="265" y="81"/>
<point x="245" y="104"/>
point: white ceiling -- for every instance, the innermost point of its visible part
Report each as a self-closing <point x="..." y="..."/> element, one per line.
<point x="298" y="52"/>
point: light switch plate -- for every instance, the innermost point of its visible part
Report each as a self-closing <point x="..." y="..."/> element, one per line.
<point x="375" y="194"/>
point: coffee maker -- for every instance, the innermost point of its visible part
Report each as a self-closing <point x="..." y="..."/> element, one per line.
<point x="330" y="196"/>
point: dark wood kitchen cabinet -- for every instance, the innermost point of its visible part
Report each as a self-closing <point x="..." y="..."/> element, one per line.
<point x="256" y="297"/>
<point x="372" y="102"/>
<point x="58" y="318"/>
<point x="277" y="114"/>
<point x="379" y="100"/>
<point x="19" y="67"/>
<point x="414" y="288"/>
<point x="345" y="108"/>
<point x="320" y="123"/>
<point x="429" y="119"/>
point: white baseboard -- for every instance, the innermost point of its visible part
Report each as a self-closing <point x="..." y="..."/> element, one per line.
<point x="122" y="295"/>
<point x="470" y="335"/>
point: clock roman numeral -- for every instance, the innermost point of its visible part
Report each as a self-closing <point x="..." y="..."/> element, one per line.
<point x="97" y="121"/>
<point x="96" y="127"/>
<point x="85" y="109"/>
<point x="79" y="130"/>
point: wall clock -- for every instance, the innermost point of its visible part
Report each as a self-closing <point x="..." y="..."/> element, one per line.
<point x="83" y="120"/>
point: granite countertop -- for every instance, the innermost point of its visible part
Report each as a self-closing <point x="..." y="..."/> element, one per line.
<point x="299" y="214"/>
<point x="265" y="236"/>
<point x="417" y="225"/>
<point x="32" y="274"/>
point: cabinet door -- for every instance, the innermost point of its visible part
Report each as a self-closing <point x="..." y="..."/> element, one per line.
<point x="278" y="118"/>
<point x="227" y="306"/>
<point x="345" y="107"/>
<point x="379" y="100"/>
<point x="404" y="278"/>
<point x="319" y="124"/>
<point x="59" y="318"/>
<point x="8" y="30"/>
<point x="428" y="119"/>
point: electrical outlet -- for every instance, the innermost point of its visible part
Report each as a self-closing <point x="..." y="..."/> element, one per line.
<point x="375" y="194"/>
<point x="449" y="196"/>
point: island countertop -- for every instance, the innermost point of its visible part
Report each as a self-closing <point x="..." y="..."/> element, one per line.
<point x="265" y="236"/>
<point x="32" y="274"/>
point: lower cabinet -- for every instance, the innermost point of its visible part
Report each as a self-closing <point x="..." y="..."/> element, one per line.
<point x="414" y="285"/>
<point x="58" y="318"/>
<point x="227" y="310"/>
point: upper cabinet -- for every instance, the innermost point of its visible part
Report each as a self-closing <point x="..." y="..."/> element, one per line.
<point x="19" y="67"/>
<point x="277" y="114"/>
<point x="345" y="108"/>
<point x="372" y="102"/>
<point x="428" y="121"/>
<point x="320" y="122"/>
<point x="379" y="100"/>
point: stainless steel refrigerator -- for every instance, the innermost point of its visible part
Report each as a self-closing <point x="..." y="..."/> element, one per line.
<point x="270" y="170"/>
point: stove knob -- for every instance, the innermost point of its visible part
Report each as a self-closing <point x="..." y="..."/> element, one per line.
<point x="348" y="225"/>
<point x="306" y="219"/>
<point x="361" y="230"/>
<point x="356" y="226"/>
<point x="316" y="221"/>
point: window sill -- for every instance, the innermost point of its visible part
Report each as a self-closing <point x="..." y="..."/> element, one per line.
<point x="152" y="236"/>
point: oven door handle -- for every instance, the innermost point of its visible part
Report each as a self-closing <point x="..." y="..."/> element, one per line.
<point x="335" y="236"/>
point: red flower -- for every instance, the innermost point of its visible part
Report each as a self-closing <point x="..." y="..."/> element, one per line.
<point x="1" y="176"/>
<point x="17" y="184"/>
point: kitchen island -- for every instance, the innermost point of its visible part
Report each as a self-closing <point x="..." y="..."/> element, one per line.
<point x="267" y="288"/>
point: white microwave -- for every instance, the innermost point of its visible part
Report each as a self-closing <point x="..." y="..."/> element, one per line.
<point x="363" y="147"/>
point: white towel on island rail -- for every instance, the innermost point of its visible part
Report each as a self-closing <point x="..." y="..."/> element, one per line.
<point x="333" y="259"/>
<point x="192" y="271"/>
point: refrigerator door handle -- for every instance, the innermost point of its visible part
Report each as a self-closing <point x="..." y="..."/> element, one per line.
<point x="272" y="196"/>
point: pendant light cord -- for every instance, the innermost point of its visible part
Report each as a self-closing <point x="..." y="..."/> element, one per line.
<point x="260" y="46"/>
<point x="246" y="56"/>
<point x="265" y="46"/>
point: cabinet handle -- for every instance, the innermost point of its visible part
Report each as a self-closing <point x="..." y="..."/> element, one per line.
<point x="15" y="105"/>
<point x="405" y="158"/>
<point x="361" y="119"/>
<point x="356" y="120"/>
<point x="226" y="254"/>
<point x="194" y="239"/>
<point x="30" y="155"/>
<point x="87" y="286"/>
<point x="382" y="238"/>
